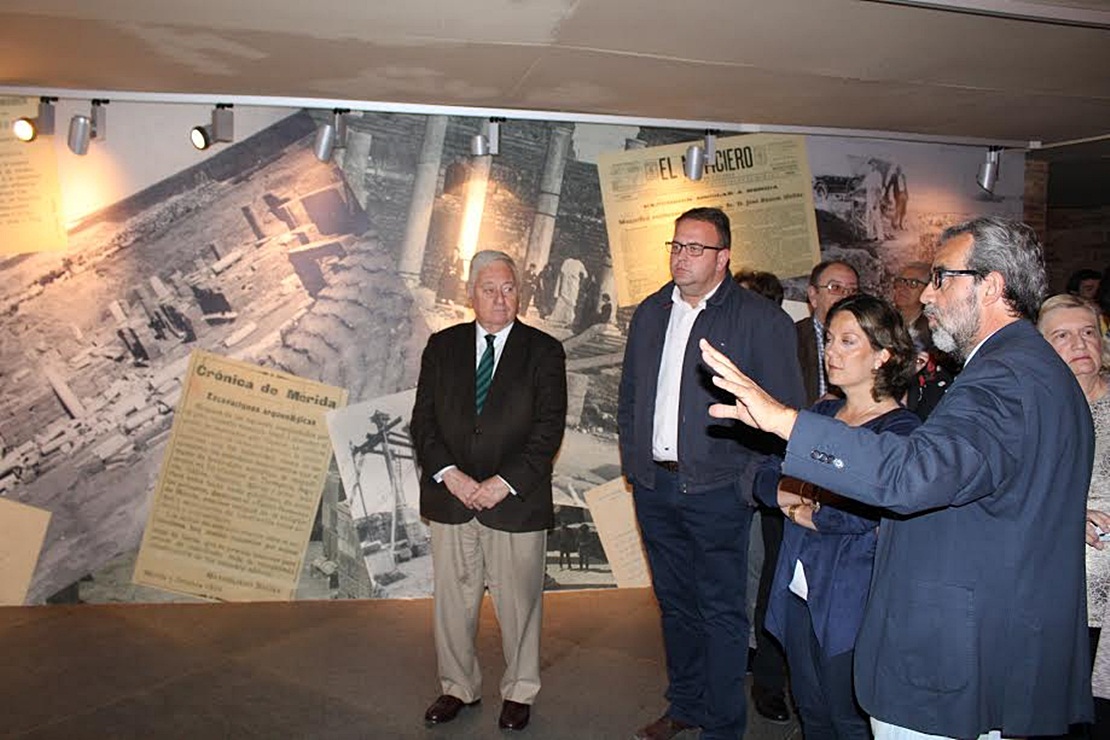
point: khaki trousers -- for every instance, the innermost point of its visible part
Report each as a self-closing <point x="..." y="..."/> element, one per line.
<point x="466" y="558"/>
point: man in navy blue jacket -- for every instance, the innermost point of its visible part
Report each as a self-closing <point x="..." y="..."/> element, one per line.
<point x="976" y="625"/>
<point x="691" y="476"/>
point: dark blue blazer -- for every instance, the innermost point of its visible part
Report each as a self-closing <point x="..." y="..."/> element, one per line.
<point x="838" y="557"/>
<point x="977" y="616"/>
<point x="757" y="335"/>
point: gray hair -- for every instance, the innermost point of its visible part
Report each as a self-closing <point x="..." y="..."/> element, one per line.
<point x="1067" y="300"/>
<point x="1011" y="249"/>
<point x="484" y="259"/>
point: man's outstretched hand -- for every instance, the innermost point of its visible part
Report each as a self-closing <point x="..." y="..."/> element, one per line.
<point x="754" y="406"/>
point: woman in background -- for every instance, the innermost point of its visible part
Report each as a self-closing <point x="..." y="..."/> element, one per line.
<point x="823" y="573"/>
<point x="1070" y="323"/>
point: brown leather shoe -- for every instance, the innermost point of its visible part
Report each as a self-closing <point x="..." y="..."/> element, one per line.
<point x="663" y="728"/>
<point x="445" y="709"/>
<point x="514" y="715"/>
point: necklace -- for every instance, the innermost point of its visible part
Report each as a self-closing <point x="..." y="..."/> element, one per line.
<point x="858" y="417"/>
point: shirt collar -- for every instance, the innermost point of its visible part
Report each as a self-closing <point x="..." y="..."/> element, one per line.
<point x="497" y="336"/>
<point x="676" y="296"/>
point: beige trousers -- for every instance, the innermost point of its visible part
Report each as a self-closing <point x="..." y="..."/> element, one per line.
<point x="466" y="558"/>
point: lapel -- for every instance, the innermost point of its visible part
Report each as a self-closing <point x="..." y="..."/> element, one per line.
<point x="657" y="338"/>
<point x="463" y="381"/>
<point x="509" y="367"/>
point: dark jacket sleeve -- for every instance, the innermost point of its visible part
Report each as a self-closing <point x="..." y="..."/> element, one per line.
<point x="626" y="395"/>
<point x="977" y="450"/>
<point x="766" y="484"/>
<point x="431" y="451"/>
<point x="765" y="488"/>
<point x="778" y="369"/>
<point x="851" y="517"/>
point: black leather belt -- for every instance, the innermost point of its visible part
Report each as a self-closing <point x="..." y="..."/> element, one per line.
<point x="670" y="466"/>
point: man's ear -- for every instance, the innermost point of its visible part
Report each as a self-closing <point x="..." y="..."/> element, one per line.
<point x="722" y="259"/>
<point x="992" y="287"/>
<point x="811" y="294"/>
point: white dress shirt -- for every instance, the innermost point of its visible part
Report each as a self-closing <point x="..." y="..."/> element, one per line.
<point x="664" y="438"/>
<point x="499" y="340"/>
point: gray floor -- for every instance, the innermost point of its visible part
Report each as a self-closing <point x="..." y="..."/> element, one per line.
<point x="358" y="669"/>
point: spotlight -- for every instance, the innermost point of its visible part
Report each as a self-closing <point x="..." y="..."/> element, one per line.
<point x="82" y="129"/>
<point x="222" y="128"/>
<point x="331" y="134"/>
<point x="697" y="154"/>
<point x="694" y="163"/>
<point x="489" y="143"/>
<point x="27" y="129"/>
<point x="988" y="171"/>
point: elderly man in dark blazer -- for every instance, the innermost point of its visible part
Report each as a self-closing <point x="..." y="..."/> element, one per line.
<point x="488" y="421"/>
<point x="976" y="625"/>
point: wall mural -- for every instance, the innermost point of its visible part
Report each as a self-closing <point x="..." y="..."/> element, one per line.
<point x="338" y="272"/>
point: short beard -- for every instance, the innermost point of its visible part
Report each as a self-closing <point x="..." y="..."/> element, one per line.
<point x="956" y="335"/>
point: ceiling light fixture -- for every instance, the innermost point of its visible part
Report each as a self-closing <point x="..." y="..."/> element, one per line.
<point x="222" y="128"/>
<point x="83" y="129"/>
<point x="28" y="129"/>
<point x="693" y="164"/>
<point x="988" y="171"/>
<point x="331" y="134"/>
<point x="488" y="143"/>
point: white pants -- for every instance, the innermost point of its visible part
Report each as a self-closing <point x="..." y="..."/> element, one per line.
<point x="882" y="731"/>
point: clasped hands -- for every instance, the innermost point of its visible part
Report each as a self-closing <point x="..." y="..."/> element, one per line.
<point x="1097" y="520"/>
<point x="475" y="495"/>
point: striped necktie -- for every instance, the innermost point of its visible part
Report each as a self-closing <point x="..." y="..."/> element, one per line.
<point x="484" y="375"/>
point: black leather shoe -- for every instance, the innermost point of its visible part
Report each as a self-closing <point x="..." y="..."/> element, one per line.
<point x="445" y="709"/>
<point x="514" y="715"/>
<point x="770" y="704"/>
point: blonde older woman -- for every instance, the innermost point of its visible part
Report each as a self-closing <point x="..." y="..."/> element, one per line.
<point x="1071" y="326"/>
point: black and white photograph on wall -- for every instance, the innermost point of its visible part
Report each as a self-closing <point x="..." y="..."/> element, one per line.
<point x="381" y="491"/>
<point x="338" y="270"/>
<point x="96" y="339"/>
<point x="883" y="205"/>
<point x="380" y="494"/>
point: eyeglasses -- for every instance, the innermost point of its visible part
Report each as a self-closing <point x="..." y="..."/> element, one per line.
<point x="914" y="283"/>
<point x="837" y="288"/>
<point x="940" y="273"/>
<point x="692" y="248"/>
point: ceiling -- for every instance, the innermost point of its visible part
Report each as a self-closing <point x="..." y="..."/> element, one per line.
<point x="825" y="63"/>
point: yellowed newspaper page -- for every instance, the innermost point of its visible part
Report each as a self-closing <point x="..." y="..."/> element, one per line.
<point x="30" y="198"/>
<point x="612" y="511"/>
<point x="22" y="532"/>
<point x="240" y="483"/>
<point x="762" y="181"/>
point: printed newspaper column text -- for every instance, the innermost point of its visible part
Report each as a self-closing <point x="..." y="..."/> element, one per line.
<point x="240" y="484"/>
